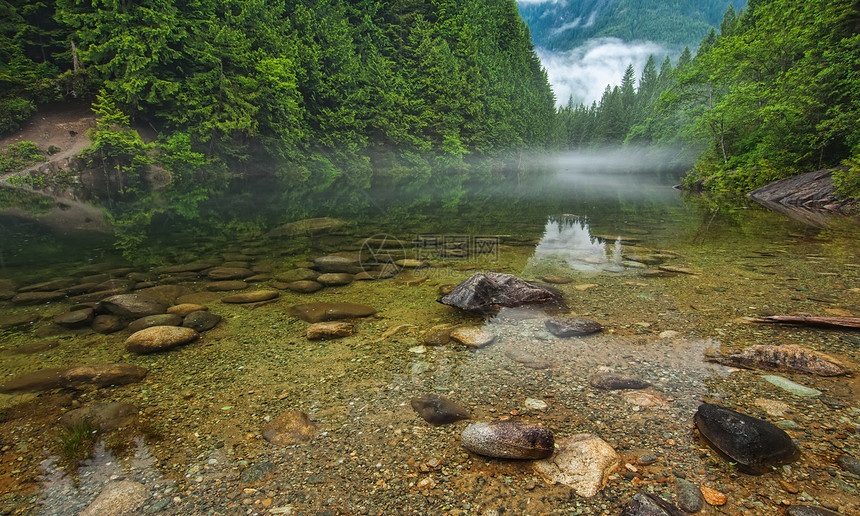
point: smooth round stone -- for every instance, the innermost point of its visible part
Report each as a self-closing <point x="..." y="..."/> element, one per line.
<point x="154" y="320"/>
<point x="557" y="280"/>
<point x="304" y="286"/>
<point x="472" y="337"/>
<point x="37" y="298"/>
<point x="186" y="308"/>
<point x="35" y="381"/>
<point x="330" y="330"/>
<point x="336" y="263"/>
<point x="159" y="338"/>
<point x="104" y="416"/>
<point x="201" y="321"/>
<point x="289" y="428"/>
<point x="229" y="273"/>
<point x="809" y="510"/>
<point x="165" y="294"/>
<point x="410" y="263"/>
<point x="17" y="320"/>
<point x="76" y="319"/>
<point x="335" y="279"/>
<point x="583" y="462"/>
<point x="527" y="359"/>
<point x="132" y="306"/>
<point x="437" y="337"/>
<point x="535" y="404"/>
<point x="572" y="326"/>
<point x="690" y="497"/>
<point x="102" y="375"/>
<point x="251" y="297"/>
<point x="437" y="410"/>
<point x="508" y="439"/>
<point x="122" y="497"/>
<point x="321" y="312"/>
<point x="755" y="444"/>
<point x="612" y="382"/>
<point x="223" y="286"/>
<point x="258" y="278"/>
<point x="107" y="324"/>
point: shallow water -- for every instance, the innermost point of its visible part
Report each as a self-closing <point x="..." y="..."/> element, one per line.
<point x="197" y="447"/>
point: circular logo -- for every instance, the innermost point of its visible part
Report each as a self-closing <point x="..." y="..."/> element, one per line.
<point x="379" y="253"/>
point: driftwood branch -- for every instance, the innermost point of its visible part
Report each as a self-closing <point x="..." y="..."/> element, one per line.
<point x="809" y="320"/>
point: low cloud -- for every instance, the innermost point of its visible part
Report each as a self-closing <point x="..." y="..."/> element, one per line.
<point x="585" y="71"/>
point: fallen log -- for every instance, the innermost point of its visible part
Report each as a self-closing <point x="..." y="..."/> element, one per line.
<point x="810" y="320"/>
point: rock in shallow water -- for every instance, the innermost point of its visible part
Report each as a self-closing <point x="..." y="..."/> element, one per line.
<point x="437" y="410"/>
<point x="289" y="428"/>
<point x="159" y="338"/>
<point x="330" y="330"/>
<point x="690" y="497"/>
<point x="613" y="381"/>
<point x="572" y="326"/>
<point x="582" y="462"/>
<point x="756" y="445"/>
<point x="809" y="510"/>
<point x="154" y="320"/>
<point x="486" y="292"/>
<point x="508" y="439"/>
<point x="646" y="504"/>
<point x="251" y="297"/>
<point x="118" y="499"/>
<point x="782" y="358"/>
<point x="104" y="416"/>
<point x="472" y="337"/>
<point x="201" y="321"/>
<point x="320" y="312"/>
<point x="131" y="306"/>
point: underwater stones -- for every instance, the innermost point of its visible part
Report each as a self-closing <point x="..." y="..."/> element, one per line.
<point x="713" y="497"/>
<point x="154" y="320"/>
<point x="647" y="259"/>
<point x="485" y="292"/>
<point x="186" y="308"/>
<point x="57" y="284"/>
<point x="690" y="497"/>
<point x="201" y="321"/>
<point x="557" y="280"/>
<point x="106" y="324"/>
<point x="792" y="387"/>
<point x="37" y="298"/>
<point x="809" y="510"/>
<point x="582" y="462"/>
<point x="437" y="410"/>
<point x="756" y="445"/>
<point x="120" y="498"/>
<point x="229" y="273"/>
<point x="306" y="226"/>
<point x="781" y="358"/>
<point x="849" y="463"/>
<point x="335" y="263"/>
<point x="198" y="298"/>
<point x="165" y="294"/>
<point x="436" y="338"/>
<point x="472" y="337"/>
<point x="330" y="330"/>
<point x="527" y="359"/>
<point x="290" y="427"/>
<point x="646" y="504"/>
<point x="36" y="381"/>
<point x="613" y="381"/>
<point x="159" y="338"/>
<point x="131" y="306"/>
<point x="322" y="312"/>
<point x="223" y="286"/>
<point x="335" y="279"/>
<point x="251" y="297"/>
<point x="572" y="326"/>
<point x="411" y="263"/>
<point x="104" y="416"/>
<point x="508" y="439"/>
<point x="17" y="320"/>
<point x="40" y="346"/>
<point x="300" y="274"/>
<point x="102" y="375"/>
<point x="304" y="286"/>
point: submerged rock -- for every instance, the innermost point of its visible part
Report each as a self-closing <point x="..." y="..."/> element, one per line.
<point x="306" y="226"/>
<point x="336" y="264"/>
<point x="437" y="410"/>
<point x="582" y="462"/>
<point x="472" y="337"/>
<point x="330" y="330"/>
<point x="201" y="321"/>
<point x="690" y="497"/>
<point x="102" y="375"/>
<point x="186" y="308"/>
<point x="809" y="510"/>
<point x="487" y="292"/>
<point x="321" y="312"/>
<point x="120" y="498"/>
<point x="335" y="279"/>
<point x="159" y="338"/>
<point x="154" y="320"/>
<point x="251" y="297"/>
<point x="76" y="318"/>
<point x="229" y="273"/>
<point x="436" y="337"/>
<point x="17" y="320"/>
<point x="289" y="428"/>
<point x="781" y="358"/>
<point x="37" y="298"/>
<point x="646" y="504"/>
<point x="36" y="381"/>
<point x="613" y="381"/>
<point x="304" y="286"/>
<point x="107" y="324"/>
<point x="756" y="445"/>
<point x="572" y="326"/>
<point x="104" y="416"/>
<point x="792" y="387"/>
<point x="508" y="439"/>
<point x="223" y="286"/>
<point x="527" y="359"/>
<point x="131" y="306"/>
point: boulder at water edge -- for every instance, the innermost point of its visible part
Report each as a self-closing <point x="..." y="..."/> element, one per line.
<point x="486" y="292"/>
<point x="582" y="462"/>
<point x="756" y="445"/>
<point x="508" y="439"/>
<point x="437" y="410"/>
<point x="159" y="338"/>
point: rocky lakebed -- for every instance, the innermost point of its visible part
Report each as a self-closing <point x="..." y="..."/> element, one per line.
<point x="289" y="373"/>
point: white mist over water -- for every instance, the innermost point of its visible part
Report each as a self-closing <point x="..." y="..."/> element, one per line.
<point x="584" y="72"/>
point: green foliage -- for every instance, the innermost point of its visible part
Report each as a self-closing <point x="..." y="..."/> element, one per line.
<point x="847" y="178"/>
<point x="20" y="155"/>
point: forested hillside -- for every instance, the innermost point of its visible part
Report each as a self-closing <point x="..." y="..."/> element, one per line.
<point x="309" y="89"/>
<point x="773" y="93"/>
<point x="674" y="24"/>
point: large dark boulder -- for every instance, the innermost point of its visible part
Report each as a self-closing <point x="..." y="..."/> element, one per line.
<point x="756" y="445"/>
<point x="488" y="291"/>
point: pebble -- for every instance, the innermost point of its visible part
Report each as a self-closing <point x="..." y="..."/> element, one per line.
<point x="290" y="427"/>
<point x="690" y="497"/>
<point x="159" y="338"/>
<point x="713" y="497"/>
<point x="572" y="326"/>
<point x="437" y="410"/>
<point x="508" y="439"/>
<point x="251" y="297"/>
<point x="582" y="462"/>
<point x="472" y="337"/>
<point x="330" y="330"/>
<point x="535" y="404"/>
<point x="773" y="407"/>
